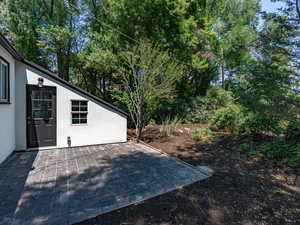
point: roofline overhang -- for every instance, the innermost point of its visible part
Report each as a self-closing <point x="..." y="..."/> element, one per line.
<point x="9" y="47"/>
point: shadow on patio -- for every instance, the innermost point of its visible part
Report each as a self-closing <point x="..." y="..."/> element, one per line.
<point x="63" y="186"/>
<point x="244" y="191"/>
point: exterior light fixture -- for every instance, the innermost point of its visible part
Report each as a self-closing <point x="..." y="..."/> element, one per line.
<point x="40" y="82"/>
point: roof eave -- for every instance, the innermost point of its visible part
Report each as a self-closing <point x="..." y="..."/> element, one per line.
<point x="8" y="47"/>
<point x="57" y="78"/>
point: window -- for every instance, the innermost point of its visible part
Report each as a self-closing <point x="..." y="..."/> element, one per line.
<point x="79" y="112"/>
<point x="4" y="82"/>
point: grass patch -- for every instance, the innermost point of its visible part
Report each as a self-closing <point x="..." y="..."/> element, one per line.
<point x="169" y="126"/>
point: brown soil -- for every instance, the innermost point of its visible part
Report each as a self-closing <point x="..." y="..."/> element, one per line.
<point x="245" y="189"/>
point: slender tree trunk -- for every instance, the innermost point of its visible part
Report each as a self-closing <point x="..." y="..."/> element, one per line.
<point x="63" y="65"/>
<point x="222" y="68"/>
<point x="222" y="74"/>
<point x="298" y="7"/>
<point x="139" y="125"/>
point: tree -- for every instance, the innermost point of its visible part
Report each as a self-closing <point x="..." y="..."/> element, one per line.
<point x="20" y="21"/>
<point x="231" y="24"/>
<point x="174" y="29"/>
<point x="43" y="31"/>
<point x="147" y="74"/>
<point x="266" y="82"/>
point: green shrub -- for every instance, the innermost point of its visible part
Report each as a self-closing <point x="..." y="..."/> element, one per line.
<point x="229" y="117"/>
<point x="244" y="147"/>
<point x="169" y="126"/>
<point x="199" y="109"/>
<point x="218" y="97"/>
<point x="286" y="151"/>
<point x="293" y="131"/>
<point x="255" y="123"/>
<point x="202" y="134"/>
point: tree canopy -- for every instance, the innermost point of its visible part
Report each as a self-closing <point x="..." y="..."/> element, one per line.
<point x="231" y="43"/>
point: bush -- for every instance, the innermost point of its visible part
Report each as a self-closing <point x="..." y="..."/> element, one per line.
<point x="255" y="123"/>
<point x="199" y="109"/>
<point x="293" y="131"/>
<point x="286" y="151"/>
<point x="244" y="147"/>
<point x="218" y="97"/>
<point x="229" y="117"/>
<point x="202" y="134"/>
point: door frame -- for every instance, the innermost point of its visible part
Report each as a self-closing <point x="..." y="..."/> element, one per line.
<point x="26" y="113"/>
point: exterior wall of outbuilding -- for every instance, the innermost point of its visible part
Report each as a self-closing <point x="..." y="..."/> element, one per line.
<point x="105" y="125"/>
<point x="7" y="112"/>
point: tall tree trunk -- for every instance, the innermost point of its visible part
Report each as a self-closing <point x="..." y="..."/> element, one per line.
<point x="222" y="68"/>
<point x="298" y="7"/>
<point x="63" y="65"/>
<point x="222" y="74"/>
<point x="139" y="125"/>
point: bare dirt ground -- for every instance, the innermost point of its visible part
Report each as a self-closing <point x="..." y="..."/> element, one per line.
<point x="245" y="190"/>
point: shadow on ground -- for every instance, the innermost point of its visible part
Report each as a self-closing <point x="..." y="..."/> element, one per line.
<point x="62" y="186"/>
<point x="245" y="190"/>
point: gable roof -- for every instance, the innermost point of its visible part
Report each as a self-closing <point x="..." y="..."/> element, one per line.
<point x="8" y="46"/>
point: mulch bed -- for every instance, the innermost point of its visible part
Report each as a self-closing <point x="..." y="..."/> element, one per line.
<point x="245" y="189"/>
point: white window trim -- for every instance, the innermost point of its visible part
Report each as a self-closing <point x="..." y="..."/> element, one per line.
<point x="87" y="112"/>
<point x="7" y="80"/>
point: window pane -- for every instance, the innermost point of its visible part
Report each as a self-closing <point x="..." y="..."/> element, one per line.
<point x="75" y="103"/>
<point x="6" y="82"/>
<point x="49" y="114"/>
<point x="75" y="121"/>
<point x="3" y="83"/>
<point x="83" y="103"/>
<point x="83" y="121"/>
<point x="47" y="95"/>
<point x="83" y="109"/>
<point x="36" y="104"/>
<point x="37" y="114"/>
<point x="36" y="95"/>
<point x="75" y="109"/>
<point x="75" y="115"/>
<point x="49" y="105"/>
<point x="83" y="116"/>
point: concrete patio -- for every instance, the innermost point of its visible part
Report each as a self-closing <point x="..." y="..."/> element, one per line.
<point x="64" y="186"/>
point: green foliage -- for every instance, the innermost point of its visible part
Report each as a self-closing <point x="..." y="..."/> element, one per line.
<point x="244" y="147"/>
<point x="217" y="97"/>
<point x="286" y="151"/>
<point x="176" y="28"/>
<point x="293" y="131"/>
<point x="201" y="108"/>
<point x="264" y="83"/>
<point x="43" y="31"/>
<point x="202" y="134"/>
<point x="229" y="117"/>
<point x="147" y="74"/>
<point x="255" y="123"/>
<point x="169" y="125"/>
<point x="90" y="42"/>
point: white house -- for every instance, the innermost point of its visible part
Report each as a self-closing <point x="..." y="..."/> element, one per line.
<point x="40" y="110"/>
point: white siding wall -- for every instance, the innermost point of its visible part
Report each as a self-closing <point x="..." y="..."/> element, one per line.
<point x="104" y="125"/>
<point x="7" y="113"/>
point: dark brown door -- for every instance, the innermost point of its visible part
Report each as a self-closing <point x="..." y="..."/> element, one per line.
<point x="41" y="116"/>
